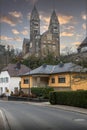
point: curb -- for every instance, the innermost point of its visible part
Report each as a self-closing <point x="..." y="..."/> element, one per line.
<point x="62" y="107"/>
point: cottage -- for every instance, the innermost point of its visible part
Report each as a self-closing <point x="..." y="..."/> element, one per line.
<point x="62" y="77"/>
<point x="9" y="77"/>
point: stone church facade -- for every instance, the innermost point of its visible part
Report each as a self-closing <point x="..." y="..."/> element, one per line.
<point x="39" y="44"/>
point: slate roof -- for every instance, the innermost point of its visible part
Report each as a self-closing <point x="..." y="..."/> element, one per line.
<point x="68" y="67"/>
<point x="53" y="69"/>
<point x="44" y="69"/>
<point x="15" y="70"/>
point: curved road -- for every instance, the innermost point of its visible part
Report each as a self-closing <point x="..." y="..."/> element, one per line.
<point x="23" y="116"/>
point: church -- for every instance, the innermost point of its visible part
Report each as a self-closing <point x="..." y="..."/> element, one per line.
<point x="42" y="44"/>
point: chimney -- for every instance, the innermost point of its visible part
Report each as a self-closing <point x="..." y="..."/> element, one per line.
<point x="18" y="66"/>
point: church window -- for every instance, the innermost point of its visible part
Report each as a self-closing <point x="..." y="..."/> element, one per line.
<point x="49" y="41"/>
<point x="36" y="43"/>
<point x="55" y="30"/>
<point x="49" y="37"/>
<point x="35" y="24"/>
<point x="44" y="41"/>
<point x="31" y="45"/>
<point x="44" y="46"/>
<point x="35" y="31"/>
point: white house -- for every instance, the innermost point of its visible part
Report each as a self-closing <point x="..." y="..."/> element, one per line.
<point x="9" y="77"/>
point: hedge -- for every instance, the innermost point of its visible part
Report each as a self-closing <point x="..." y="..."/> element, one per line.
<point x="70" y="98"/>
<point x="41" y="91"/>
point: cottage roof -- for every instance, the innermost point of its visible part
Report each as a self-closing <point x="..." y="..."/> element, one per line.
<point x="53" y="69"/>
<point x="44" y="69"/>
<point x="68" y="67"/>
<point x="16" y="69"/>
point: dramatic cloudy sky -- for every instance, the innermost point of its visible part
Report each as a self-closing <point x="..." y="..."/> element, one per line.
<point x="15" y="14"/>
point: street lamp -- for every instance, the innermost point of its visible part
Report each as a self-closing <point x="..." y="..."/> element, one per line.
<point x="29" y="86"/>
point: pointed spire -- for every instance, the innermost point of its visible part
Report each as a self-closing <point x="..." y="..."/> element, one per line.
<point x="54" y="23"/>
<point x="54" y="18"/>
<point x="34" y="13"/>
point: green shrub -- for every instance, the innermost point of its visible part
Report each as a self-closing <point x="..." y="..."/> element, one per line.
<point x="41" y="91"/>
<point x="71" y="98"/>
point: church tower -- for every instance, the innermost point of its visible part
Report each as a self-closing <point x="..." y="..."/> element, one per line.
<point x="54" y="29"/>
<point x="34" y="31"/>
<point x="54" y="23"/>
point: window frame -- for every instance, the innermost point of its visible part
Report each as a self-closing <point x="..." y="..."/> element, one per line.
<point x="61" y="80"/>
<point x="26" y="81"/>
<point x="52" y="80"/>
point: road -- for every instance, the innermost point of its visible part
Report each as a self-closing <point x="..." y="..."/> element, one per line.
<point x="24" y="116"/>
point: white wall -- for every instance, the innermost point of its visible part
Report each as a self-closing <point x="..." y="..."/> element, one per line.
<point x="13" y="82"/>
<point x="4" y="84"/>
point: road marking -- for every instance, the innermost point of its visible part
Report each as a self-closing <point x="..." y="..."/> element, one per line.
<point x="5" y="123"/>
<point x="79" y="120"/>
<point x="2" y="118"/>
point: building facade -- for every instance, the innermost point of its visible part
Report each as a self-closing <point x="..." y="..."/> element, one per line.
<point x="61" y="77"/>
<point x="49" y="41"/>
<point x="9" y="78"/>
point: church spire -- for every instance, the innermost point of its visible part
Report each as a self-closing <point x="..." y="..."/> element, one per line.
<point x="54" y="23"/>
<point x="34" y="14"/>
<point x="34" y="24"/>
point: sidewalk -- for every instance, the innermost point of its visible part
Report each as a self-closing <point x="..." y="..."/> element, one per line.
<point x="63" y="107"/>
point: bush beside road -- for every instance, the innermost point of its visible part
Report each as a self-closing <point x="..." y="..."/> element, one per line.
<point x="70" y="98"/>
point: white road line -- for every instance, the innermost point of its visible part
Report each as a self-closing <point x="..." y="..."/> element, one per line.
<point x="2" y="118"/>
<point x="5" y="124"/>
<point x="79" y="120"/>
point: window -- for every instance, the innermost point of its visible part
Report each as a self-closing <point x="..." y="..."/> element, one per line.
<point x="1" y="80"/>
<point x="53" y="80"/>
<point x="26" y="81"/>
<point x="30" y="44"/>
<point x="49" y="37"/>
<point x="6" y="80"/>
<point x="61" y="80"/>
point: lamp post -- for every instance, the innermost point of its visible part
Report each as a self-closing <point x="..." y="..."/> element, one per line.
<point x="29" y="85"/>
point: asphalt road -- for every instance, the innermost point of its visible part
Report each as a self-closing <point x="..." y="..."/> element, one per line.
<point x="23" y="116"/>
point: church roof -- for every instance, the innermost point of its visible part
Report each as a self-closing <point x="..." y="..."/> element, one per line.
<point x="46" y="33"/>
<point x="25" y="41"/>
